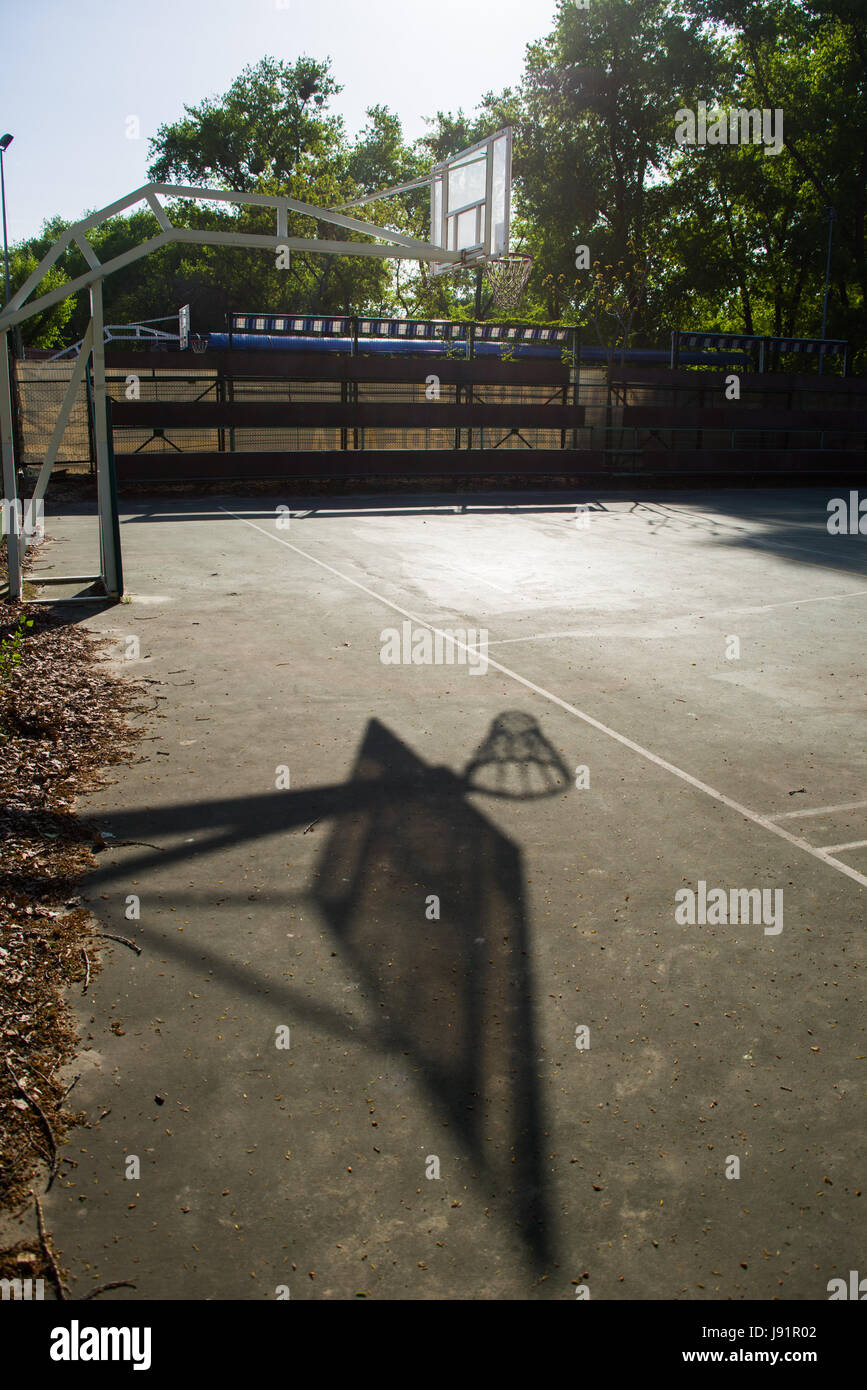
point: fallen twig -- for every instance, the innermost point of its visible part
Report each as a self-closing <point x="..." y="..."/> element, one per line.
<point x="103" y="1288"/>
<point x="124" y="940"/>
<point x="86" y="959"/>
<point x="69" y="1087"/>
<point x="43" y="1117"/>
<point x="144" y="843"/>
<point x="62" y="1290"/>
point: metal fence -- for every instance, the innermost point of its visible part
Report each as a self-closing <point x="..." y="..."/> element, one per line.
<point x="628" y="417"/>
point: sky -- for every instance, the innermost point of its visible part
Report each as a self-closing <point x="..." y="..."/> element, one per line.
<point x="76" y="71"/>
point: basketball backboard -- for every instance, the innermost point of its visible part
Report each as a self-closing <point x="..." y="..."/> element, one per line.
<point x="470" y="203"/>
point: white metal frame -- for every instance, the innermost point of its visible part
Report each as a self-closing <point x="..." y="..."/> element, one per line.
<point x="137" y="332"/>
<point x="445" y="220"/>
<point x="397" y="246"/>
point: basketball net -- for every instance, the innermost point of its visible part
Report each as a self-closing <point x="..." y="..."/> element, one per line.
<point x="508" y="277"/>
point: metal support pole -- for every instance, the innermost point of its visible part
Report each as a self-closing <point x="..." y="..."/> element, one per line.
<point x="18" y="350"/>
<point x="353" y="391"/>
<point x="114" y="536"/>
<point x="480" y="281"/>
<point x="5" y="242"/>
<point x="575" y="350"/>
<point x="91" y="437"/>
<point x="471" y="388"/>
<point x="832" y="214"/>
<point x="105" y="502"/>
<point x="471" y="357"/>
<point x="10" y="481"/>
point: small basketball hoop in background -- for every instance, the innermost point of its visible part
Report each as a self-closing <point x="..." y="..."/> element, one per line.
<point x="199" y="344"/>
<point x="508" y="277"/>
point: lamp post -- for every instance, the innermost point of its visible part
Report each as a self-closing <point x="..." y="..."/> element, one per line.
<point x="831" y="214"/>
<point x="5" y="142"/>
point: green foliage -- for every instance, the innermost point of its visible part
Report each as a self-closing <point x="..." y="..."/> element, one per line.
<point x="595" y="135"/>
<point x="723" y="237"/>
<point x="51" y="327"/>
<point x="11" y="648"/>
<point x="270" y="124"/>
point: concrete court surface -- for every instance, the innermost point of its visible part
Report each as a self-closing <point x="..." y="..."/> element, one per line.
<point x="439" y="1127"/>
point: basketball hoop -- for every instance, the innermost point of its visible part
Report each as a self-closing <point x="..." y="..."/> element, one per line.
<point x="199" y="344"/>
<point x="508" y="277"/>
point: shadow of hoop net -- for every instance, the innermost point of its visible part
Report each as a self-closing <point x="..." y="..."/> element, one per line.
<point x="516" y="761"/>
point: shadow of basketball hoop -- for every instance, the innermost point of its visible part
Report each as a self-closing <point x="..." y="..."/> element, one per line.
<point x="454" y="989"/>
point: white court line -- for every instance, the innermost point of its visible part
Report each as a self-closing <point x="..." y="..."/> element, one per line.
<point x="822" y="855"/>
<point x="853" y="844"/>
<point x="687" y="617"/>
<point x="538" y="637"/>
<point x="510" y="593"/>
<point x="479" y="580"/>
<point x="818" y="811"/>
<point x="790" y="602"/>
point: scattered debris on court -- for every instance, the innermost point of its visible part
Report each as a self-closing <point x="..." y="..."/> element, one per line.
<point x="63" y="717"/>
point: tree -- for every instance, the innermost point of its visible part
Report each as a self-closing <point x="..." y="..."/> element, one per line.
<point x="49" y="329"/>
<point x="595" y="135"/>
<point x="270" y="124"/>
<point x="724" y="236"/>
<point x="808" y="58"/>
<point x="271" y="133"/>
